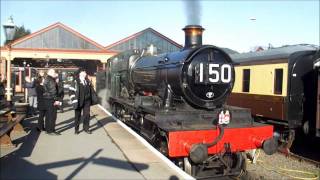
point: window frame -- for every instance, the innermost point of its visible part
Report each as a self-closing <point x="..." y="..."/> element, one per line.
<point x="246" y="81"/>
<point x="275" y="84"/>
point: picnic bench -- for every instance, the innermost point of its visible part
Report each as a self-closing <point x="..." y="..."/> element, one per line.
<point x="9" y="124"/>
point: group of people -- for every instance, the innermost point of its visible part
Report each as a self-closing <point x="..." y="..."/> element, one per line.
<point x="48" y="96"/>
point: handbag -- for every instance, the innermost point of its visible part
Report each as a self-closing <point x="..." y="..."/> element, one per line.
<point x="94" y="97"/>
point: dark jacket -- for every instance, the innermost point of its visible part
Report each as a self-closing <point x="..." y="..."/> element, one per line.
<point x="60" y="91"/>
<point x="2" y="90"/>
<point x="31" y="88"/>
<point x="41" y="103"/>
<point x="50" y="89"/>
<point x="79" y="93"/>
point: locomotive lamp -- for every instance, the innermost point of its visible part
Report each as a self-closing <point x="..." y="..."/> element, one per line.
<point x="9" y="30"/>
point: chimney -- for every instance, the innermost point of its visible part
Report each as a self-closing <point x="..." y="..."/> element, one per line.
<point x="193" y="36"/>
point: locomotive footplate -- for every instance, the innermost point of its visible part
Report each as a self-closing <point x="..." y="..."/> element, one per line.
<point x="186" y="119"/>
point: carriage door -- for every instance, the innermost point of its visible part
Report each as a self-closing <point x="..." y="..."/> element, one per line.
<point x="302" y="91"/>
<point x="318" y="106"/>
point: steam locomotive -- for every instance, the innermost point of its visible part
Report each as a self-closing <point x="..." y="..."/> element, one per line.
<point x="176" y="101"/>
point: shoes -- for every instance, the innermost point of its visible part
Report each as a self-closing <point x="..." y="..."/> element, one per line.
<point x="57" y="133"/>
<point x="54" y="134"/>
<point x="40" y="129"/>
<point x="88" y="131"/>
<point x="76" y="132"/>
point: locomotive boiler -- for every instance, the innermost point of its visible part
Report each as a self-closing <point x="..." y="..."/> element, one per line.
<point x="176" y="101"/>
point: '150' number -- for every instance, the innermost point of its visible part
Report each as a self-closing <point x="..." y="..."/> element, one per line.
<point x="214" y="75"/>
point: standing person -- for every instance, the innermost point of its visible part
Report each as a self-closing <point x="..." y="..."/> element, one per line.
<point x="32" y="95"/>
<point x="41" y="73"/>
<point x="51" y="101"/>
<point x="41" y="105"/>
<point x="81" y="95"/>
<point x="60" y="92"/>
<point x="2" y="89"/>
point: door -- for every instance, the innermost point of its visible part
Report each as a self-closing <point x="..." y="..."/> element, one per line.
<point x="318" y="108"/>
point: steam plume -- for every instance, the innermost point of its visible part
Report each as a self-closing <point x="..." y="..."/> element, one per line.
<point x="193" y="11"/>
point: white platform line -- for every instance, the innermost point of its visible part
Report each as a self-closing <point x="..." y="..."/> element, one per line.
<point x="151" y="148"/>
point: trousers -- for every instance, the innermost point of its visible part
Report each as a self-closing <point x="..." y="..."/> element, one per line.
<point x="86" y="116"/>
<point x="50" y="115"/>
<point x="42" y="114"/>
<point x="33" y="101"/>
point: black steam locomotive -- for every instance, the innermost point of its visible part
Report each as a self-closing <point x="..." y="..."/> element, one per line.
<point x="177" y="102"/>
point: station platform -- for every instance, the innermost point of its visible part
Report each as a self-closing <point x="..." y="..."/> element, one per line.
<point x="110" y="152"/>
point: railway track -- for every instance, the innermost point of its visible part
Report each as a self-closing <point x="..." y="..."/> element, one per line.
<point x="303" y="159"/>
<point x="283" y="167"/>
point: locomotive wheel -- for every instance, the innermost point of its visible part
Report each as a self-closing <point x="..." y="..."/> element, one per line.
<point x="233" y="165"/>
<point x="161" y="144"/>
<point x="118" y="111"/>
<point x="287" y="143"/>
<point x="114" y="109"/>
<point x="236" y="163"/>
<point x="239" y="164"/>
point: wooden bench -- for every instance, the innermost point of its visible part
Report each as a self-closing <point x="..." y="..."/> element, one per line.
<point x="5" y="114"/>
<point x="9" y="124"/>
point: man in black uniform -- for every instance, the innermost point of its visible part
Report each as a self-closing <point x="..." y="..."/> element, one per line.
<point x="80" y="95"/>
<point x="51" y="101"/>
<point x="60" y="91"/>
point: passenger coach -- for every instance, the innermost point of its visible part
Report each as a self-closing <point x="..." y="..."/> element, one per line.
<point x="280" y="87"/>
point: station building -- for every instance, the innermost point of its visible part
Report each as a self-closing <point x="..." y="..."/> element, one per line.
<point x="65" y="49"/>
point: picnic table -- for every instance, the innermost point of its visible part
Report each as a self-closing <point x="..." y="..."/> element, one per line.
<point x="10" y="122"/>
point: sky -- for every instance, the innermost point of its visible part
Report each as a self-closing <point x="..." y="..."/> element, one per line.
<point x="226" y="23"/>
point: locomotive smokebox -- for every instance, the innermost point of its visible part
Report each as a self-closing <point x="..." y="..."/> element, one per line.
<point x="193" y="36"/>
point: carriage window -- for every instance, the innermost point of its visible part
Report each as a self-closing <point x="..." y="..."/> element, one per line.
<point x="278" y="81"/>
<point x="246" y="80"/>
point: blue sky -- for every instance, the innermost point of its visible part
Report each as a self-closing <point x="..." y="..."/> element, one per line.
<point x="227" y="23"/>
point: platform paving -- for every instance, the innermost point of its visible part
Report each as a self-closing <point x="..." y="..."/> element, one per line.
<point x="109" y="152"/>
<point x="135" y="151"/>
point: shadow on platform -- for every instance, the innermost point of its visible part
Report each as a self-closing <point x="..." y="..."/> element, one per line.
<point x="17" y="165"/>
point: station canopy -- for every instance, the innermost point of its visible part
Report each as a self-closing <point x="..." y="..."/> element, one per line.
<point x="57" y="41"/>
<point x="60" y="46"/>
<point x="143" y="39"/>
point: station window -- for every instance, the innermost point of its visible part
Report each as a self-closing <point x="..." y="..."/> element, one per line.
<point x="278" y="81"/>
<point x="246" y="80"/>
